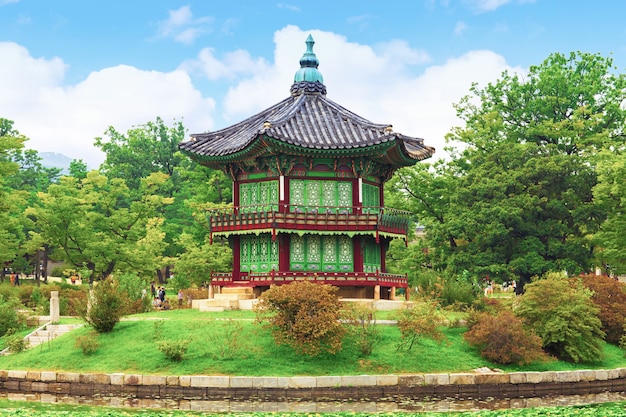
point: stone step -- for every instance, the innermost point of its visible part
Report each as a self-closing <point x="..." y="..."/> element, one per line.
<point x="223" y="296"/>
<point x="237" y="290"/>
<point x="215" y="305"/>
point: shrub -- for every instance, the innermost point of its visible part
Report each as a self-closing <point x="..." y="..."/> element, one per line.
<point x="361" y="323"/>
<point x="104" y="307"/>
<point x="502" y="339"/>
<point x="561" y="312"/>
<point x="229" y="341"/>
<point x="422" y="319"/>
<point x="174" y="349"/>
<point x="16" y="344"/>
<point x="88" y="343"/>
<point x="304" y="316"/>
<point x="9" y="316"/>
<point x="609" y="296"/>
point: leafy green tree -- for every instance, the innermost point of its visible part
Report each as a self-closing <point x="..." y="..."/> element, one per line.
<point x="516" y="200"/>
<point x="610" y="194"/>
<point x="561" y="312"/>
<point x="11" y="201"/>
<point x="153" y="147"/>
<point x="96" y="225"/>
<point x="420" y="320"/>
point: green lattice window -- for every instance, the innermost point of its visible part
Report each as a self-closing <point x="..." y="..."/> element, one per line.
<point x="329" y="196"/>
<point x="258" y="253"/>
<point x="258" y="196"/>
<point x="371" y="198"/>
<point x="371" y="256"/>
<point x="321" y="253"/>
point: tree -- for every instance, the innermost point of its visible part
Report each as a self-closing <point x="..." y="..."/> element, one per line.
<point x="516" y="200"/>
<point x="11" y="222"/>
<point x="561" y="312"/>
<point x="303" y="315"/>
<point x="420" y="320"/>
<point x="610" y="193"/>
<point x="197" y="261"/>
<point x="97" y="226"/>
<point x="153" y="147"/>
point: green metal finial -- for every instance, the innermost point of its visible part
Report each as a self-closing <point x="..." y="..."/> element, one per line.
<point x="308" y="65"/>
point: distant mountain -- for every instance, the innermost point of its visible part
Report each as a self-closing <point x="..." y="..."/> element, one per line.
<point x="56" y="160"/>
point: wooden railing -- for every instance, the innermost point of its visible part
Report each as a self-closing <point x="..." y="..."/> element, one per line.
<point x="262" y="279"/>
<point x="309" y="218"/>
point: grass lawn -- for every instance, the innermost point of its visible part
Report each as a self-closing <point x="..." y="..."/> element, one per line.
<point x="132" y="348"/>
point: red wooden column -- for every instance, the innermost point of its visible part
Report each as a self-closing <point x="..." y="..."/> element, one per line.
<point x="236" y="258"/>
<point x="357" y="254"/>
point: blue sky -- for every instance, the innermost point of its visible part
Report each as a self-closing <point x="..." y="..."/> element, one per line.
<point x="70" y="68"/>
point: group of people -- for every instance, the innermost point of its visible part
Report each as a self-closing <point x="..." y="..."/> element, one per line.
<point x="160" y="301"/>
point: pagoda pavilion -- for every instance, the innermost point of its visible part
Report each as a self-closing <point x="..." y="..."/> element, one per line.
<point x="308" y="201"/>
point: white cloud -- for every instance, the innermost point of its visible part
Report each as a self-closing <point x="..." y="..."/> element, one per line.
<point x="232" y="65"/>
<point x="66" y="119"/>
<point x="460" y="28"/>
<point x="182" y="26"/>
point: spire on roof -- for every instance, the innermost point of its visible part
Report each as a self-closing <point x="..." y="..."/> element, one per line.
<point x="308" y="79"/>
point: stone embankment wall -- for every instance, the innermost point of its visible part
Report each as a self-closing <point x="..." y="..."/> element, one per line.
<point x="321" y="388"/>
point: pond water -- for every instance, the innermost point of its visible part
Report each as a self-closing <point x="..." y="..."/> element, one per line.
<point x="226" y="406"/>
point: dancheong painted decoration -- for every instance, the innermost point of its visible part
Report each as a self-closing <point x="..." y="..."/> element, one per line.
<point x="308" y="201"/>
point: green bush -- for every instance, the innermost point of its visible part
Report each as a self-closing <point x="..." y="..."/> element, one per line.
<point x="422" y="319"/>
<point x="16" y="344"/>
<point x="304" y="316"/>
<point x="105" y="306"/>
<point x="9" y="316"/>
<point x="561" y="312"/>
<point x="230" y="341"/>
<point x="88" y="343"/>
<point x="503" y="339"/>
<point x="361" y="323"/>
<point x="174" y="349"/>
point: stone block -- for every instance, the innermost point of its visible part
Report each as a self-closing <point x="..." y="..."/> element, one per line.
<point x="153" y="380"/>
<point x="613" y="373"/>
<point x="37" y="386"/>
<point x="302" y="382"/>
<point x="103" y="379"/>
<point x="493" y="378"/>
<point x="436" y="379"/>
<point x="411" y="380"/>
<point x="210" y="381"/>
<point x="566" y="376"/>
<point x="4" y="375"/>
<point x="68" y="377"/>
<point x="171" y="380"/>
<point x="282" y="382"/>
<point x="116" y="379"/>
<point x="148" y="391"/>
<point x="386" y="380"/>
<point x="184" y="380"/>
<point x="358" y="380"/>
<point x="47" y="376"/>
<point x="540" y="377"/>
<point x="462" y="379"/>
<point x="328" y="381"/>
<point x="587" y="375"/>
<point x="240" y="382"/>
<point x="601" y="375"/>
<point x="33" y="376"/>
<point x="518" y="378"/>
<point x="133" y="379"/>
<point x="264" y="382"/>
<point x="13" y="374"/>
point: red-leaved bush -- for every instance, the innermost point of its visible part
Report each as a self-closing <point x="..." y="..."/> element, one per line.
<point x="609" y="295"/>
<point x="503" y="339"/>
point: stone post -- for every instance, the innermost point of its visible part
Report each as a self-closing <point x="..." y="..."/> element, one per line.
<point x="54" y="307"/>
<point x="211" y="291"/>
<point x="377" y="292"/>
<point x="392" y="294"/>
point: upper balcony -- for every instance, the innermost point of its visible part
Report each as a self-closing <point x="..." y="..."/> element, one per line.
<point x="274" y="218"/>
